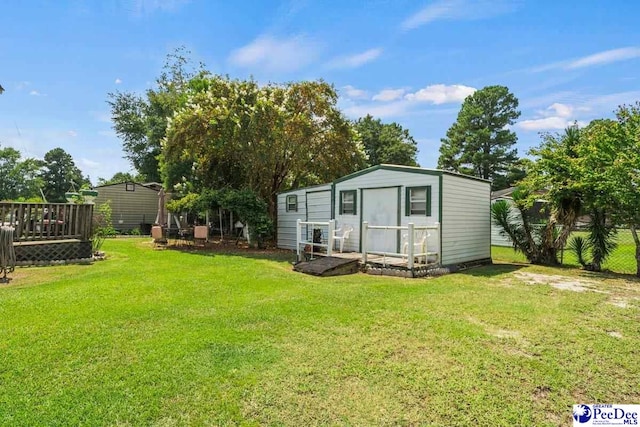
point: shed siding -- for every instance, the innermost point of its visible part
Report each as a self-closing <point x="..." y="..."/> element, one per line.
<point x="287" y="220"/>
<point x="387" y="178"/>
<point x="466" y="225"/>
<point x="129" y="209"/>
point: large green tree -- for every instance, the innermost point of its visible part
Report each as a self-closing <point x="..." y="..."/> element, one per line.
<point x="19" y="177"/>
<point x="239" y="134"/>
<point x="141" y="121"/>
<point x="59" y="174"/>
<point x="611" y="154"/>
<point x="480" y="142"/>
<point x="386" y="142"/>
<point x="120" y="177"/>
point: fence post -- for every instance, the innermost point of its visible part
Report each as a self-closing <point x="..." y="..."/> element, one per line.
<point x="410" y="240"/>
<point x="298" y="238"/>
<point x="332" y="227"/>
<point x="365" y="225"/>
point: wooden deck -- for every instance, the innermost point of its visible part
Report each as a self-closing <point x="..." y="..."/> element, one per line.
<point x="49" y="232"/>
<point x="371" y="259"/>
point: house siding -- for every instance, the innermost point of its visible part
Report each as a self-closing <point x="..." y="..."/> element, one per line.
<point x="497" y="239"/>
<point x="129" y="209"/>
<point x="318" y="196"/>
<point x="382" y="178"/>
<point x="466" y="225"/>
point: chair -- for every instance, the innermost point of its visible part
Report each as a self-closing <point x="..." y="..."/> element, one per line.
<point x="200" y="234"/>
<point x="342" y="237"/>
<point x="157" y="233"/>
<point x="419" y="243"/>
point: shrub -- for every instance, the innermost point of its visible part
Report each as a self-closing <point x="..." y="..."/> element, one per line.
<point x="102" y="225"/>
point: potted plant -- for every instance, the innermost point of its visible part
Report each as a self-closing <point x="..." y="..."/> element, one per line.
<point x="88" y="195"/>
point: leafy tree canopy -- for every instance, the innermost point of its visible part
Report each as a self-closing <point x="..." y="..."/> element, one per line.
<point x="386" y="143"/>
<point x="59" y="174"/>
<point x="238" y="134"/>
<point x="120" y="177"/>
<point x="19" y="177"/>
<point x="141" y="121"/>
<point x="480" y="143"/>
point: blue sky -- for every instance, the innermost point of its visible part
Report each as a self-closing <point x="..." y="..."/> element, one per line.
<point x="411" y="62"/>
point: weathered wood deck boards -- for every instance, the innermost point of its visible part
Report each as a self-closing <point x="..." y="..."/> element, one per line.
<point x="328" y="266"/>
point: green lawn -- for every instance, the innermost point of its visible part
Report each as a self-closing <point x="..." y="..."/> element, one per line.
<point x="153" y="337"/>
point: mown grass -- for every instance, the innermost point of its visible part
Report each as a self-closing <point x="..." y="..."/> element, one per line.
<point x="622" y="260"/>
<point x="170" y="338"/>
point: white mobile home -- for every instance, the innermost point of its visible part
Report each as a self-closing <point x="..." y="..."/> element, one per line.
<point x="390" y="195"/>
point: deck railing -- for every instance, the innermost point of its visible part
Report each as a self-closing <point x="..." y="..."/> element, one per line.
<point x="47" y="221"/>
<point x="409" y="251"/>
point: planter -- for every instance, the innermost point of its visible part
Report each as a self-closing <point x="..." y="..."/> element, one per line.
<point x="89" y="196"/>
<point x="72" y="197"/>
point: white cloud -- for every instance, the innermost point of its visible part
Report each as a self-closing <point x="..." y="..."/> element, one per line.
<point x="387" y="95"/>
<point x="356" y="60"/>
<point x="272" y="54"/>
<point x="354" y="93"/>
<point x="36" y="93"/>
<point x="557" y="116"/>
<point x="605" y="57"/>
<point x="560" y="110"/>
<point x="457" y="10"/>
<point x="600" y="58"/>
<point x="441" y="94"/>
<point x="72" y="133"/>
<point x="118" y="81"/>
<point x="392" y="109"/>
<point x="546" y="123"/>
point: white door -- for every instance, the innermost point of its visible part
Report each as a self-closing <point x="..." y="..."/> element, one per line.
<point x="380" y="207"/>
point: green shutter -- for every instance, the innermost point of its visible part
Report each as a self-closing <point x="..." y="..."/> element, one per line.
<point x="355" y="202"/>
<point x="428" y="201"/>
<point x="407" y="201"/>
<point x="340" y="208"/>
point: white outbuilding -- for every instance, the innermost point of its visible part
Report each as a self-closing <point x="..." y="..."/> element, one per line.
<point x="452" y="209"/>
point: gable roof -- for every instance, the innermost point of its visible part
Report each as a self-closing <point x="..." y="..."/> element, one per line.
<point x="408" y="169"/>
<point x="126" y="182"/>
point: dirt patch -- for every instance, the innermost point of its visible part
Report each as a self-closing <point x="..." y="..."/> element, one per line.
<point x="565" y="283"/>
<point x="614" y="334"/>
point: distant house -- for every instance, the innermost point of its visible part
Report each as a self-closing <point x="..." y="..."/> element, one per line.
<point x="535" y="214"/>
<point x="133" y="205"/>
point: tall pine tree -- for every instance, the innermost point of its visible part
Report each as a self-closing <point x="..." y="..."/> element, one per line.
<point x="480" y="143"/>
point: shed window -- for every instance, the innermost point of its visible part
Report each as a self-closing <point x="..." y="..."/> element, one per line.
<point x="292" y="203"/>
<point x="418" y="201"/>
<point x="348" y="202"/>
<point x="130" y="186"/>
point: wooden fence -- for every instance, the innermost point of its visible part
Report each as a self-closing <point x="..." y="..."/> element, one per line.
<point x="47" y="221"/>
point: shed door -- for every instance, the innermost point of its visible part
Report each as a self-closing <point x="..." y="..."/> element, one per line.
<point x="380" y="207"/>
<point x="318" y="208"/>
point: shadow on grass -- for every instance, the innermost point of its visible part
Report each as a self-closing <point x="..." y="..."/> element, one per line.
<point x="493" y="269"/>
<point x="261" y="254"/>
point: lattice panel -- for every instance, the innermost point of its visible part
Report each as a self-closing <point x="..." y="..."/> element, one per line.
<point x="58" y="251"/>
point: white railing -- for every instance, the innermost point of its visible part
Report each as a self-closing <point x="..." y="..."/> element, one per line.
<point x="301" y="243"/>
<point x="410" y="243"/>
